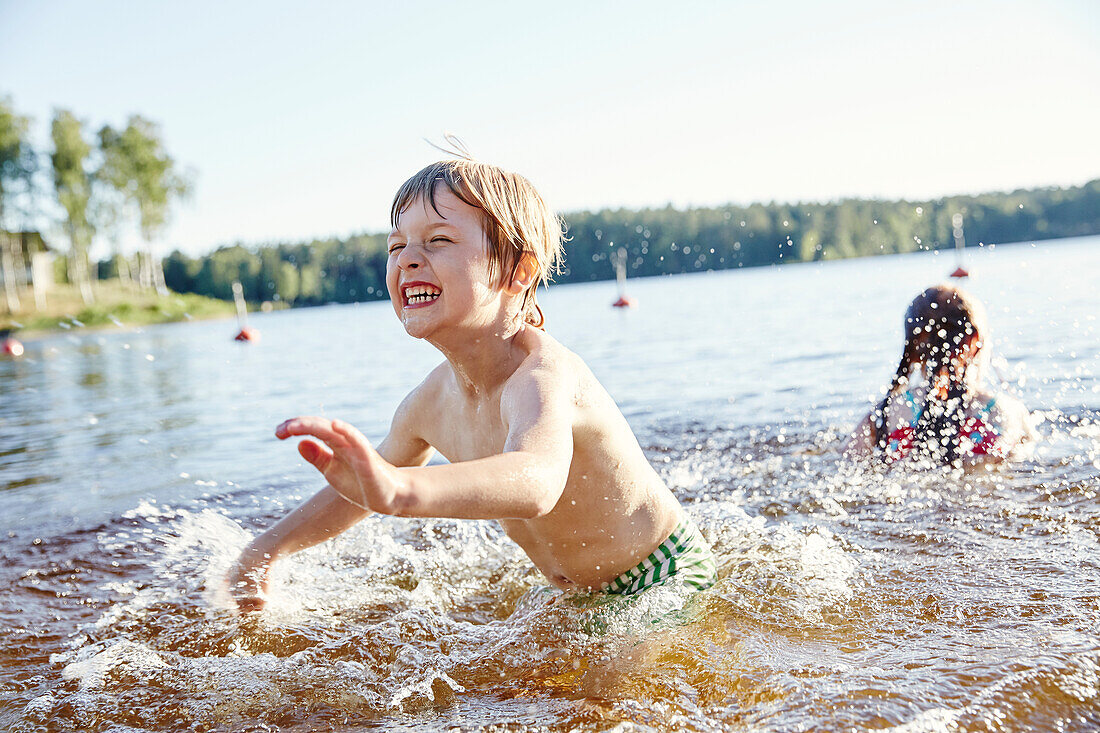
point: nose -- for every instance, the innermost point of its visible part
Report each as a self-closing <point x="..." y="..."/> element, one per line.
<point x="409" y="258"/>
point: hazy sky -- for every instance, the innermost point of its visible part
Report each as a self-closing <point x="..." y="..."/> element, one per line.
<point x="301" y="119"/>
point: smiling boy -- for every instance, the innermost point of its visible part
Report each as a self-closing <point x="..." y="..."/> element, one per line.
<point x="532" y="439"/>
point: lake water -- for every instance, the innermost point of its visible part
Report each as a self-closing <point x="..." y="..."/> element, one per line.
<point x="134" y="466"/>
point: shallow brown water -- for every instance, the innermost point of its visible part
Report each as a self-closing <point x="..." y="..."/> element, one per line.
<point x="848" y="600"/>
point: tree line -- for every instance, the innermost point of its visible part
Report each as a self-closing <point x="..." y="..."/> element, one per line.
<point x="103" y="181"/>
<point x="99" y="181"/>
<point x="662" y="241"/>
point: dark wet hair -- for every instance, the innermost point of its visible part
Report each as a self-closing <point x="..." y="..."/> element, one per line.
<point x="940" y="325"/>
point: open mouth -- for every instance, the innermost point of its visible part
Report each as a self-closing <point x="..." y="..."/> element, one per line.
<point x="420" y="293"/>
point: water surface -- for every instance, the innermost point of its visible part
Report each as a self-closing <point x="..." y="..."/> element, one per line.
<point x="134" y="466"/>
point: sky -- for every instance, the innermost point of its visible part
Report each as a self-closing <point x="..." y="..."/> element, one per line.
<point x="299" y="120"/>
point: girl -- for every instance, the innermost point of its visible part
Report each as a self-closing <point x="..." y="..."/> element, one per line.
<point x="948" y="416"/>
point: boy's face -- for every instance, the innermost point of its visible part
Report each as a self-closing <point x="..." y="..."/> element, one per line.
<point x="438" y="268"/>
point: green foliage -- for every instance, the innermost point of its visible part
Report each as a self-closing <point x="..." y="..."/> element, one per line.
<point x="17" y="158"/>
<point x="661" y="241"/>
<point x="126" y="307"/>
<point x="71" y="177"/>
<point x="60" y="271"/>
<point x="321" y="271"/>
<point x="664" y="241"/>
<point x="136" y="165"/>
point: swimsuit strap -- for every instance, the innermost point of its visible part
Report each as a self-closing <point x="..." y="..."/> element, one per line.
<point x="913" y="407"/>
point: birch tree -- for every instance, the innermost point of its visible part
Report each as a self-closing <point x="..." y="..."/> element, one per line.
<point x="136" y="164"/>
<point x="17" y="165"/>
<point x="73" y="184"/>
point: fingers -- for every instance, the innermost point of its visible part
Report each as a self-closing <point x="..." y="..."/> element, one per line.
<point x="349" y="432"/>
<point x="318" y="427"/>
<point x="246" y="588"/>
<point x="336" y="433"/>
<point x="318" y="456"/>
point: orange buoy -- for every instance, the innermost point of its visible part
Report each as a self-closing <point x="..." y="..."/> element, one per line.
<point x="960" y="272"/>
<point x="624" y="301"/>
<point x="247" y="334"/>
<point x="11" y="347"/>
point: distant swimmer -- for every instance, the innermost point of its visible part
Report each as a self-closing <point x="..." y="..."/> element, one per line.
<point x="938" y="407"/>
<point x="533" y="440"/>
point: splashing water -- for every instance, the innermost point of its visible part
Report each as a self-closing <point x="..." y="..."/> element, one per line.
<point x="869" y="600"/>
<point x="848" y="598"/>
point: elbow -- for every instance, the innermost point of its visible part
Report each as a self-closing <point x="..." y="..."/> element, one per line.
<point x="541" y="506"/>
<point x="549" y="493"/>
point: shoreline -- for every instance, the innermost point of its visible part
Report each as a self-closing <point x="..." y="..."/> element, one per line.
<point x="115" y="307"/>
<point x="40" y="334"/>
<point x="115" y="310"/>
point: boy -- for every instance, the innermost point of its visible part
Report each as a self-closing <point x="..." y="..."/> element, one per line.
<point x="532" y="438"/>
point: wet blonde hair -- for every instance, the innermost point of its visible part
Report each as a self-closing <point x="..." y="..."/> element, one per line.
<point x="515" y="218"/>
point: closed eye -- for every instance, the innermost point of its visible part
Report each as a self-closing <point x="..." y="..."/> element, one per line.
<point x="395" y="247"/>
<point x="448" y="240"/>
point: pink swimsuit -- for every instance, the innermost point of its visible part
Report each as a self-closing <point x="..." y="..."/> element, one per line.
<point x="978" y="436"/>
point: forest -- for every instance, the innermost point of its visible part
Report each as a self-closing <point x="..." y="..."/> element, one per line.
<point x="662" y="241"/>
<point x="105" y="180"/>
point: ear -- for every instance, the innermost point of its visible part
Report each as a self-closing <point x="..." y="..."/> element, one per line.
<point x="525" y="274"/>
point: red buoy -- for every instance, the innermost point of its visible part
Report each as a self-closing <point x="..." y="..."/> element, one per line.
<point x="246" y="334"/>
<point x="619" y="261"/>
<point x="960" y="245"/>
<point x="11" y="347"/>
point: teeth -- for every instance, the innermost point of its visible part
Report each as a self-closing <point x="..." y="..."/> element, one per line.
<point x="421" y="294"/>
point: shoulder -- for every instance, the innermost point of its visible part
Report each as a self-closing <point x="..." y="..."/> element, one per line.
<point x="546" y="354"/>
<point x="1005" y="407"/>
<point x="1012" y="420"/>
<point x="994" y="402"/>
<point x="426" y="395"/>
<point x="406" y="444"/>
<point x="548" y="370"/>
<point x="902" y="399"/>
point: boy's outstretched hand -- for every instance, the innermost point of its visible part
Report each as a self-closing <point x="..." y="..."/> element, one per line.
<point x="248" y="579"/>
<point x="348" y="462"/>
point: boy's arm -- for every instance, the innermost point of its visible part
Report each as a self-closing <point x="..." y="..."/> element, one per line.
<point x="319" y="518"/>
<point x="523" y="482"/>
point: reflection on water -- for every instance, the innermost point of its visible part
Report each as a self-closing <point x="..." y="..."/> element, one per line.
<point x="134" y="467"/>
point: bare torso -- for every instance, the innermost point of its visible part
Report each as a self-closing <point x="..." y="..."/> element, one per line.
<point x="614" y="509"/>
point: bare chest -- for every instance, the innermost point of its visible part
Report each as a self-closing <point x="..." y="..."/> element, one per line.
<point x="467" y="430"/>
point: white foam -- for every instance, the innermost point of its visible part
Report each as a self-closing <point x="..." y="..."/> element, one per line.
<point x="936" y="720"/>
<point x="94" y="664"/>
<point x="777" y="569"/>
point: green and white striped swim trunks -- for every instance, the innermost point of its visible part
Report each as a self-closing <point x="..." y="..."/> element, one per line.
<point x="685" y="555"/>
